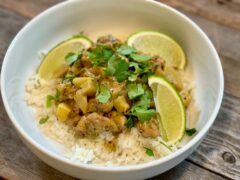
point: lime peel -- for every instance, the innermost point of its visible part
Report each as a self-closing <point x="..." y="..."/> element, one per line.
<point x="171" y="109"/>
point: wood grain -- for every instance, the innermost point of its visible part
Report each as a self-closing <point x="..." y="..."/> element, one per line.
<point x="220" y="150"/>
<point x="27" y="8"/>
<point x="218" y="157"/>
<point x="225" y="12"/>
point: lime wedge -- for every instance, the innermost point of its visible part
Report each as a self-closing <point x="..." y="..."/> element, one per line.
<point x="170" y="108"/>
<point x="56" y="57"/>
<point x="156" y="43"/>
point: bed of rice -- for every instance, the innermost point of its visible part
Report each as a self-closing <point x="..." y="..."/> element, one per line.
<point x="130" y="144"/>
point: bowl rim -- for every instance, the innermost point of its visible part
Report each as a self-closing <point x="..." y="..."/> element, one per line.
<point x="194" y="141"/>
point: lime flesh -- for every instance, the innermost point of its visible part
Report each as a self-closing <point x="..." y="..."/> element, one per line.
<point x="170" y="108"/>
<point x="156" y="43"/>
<point x="56" y="57"/>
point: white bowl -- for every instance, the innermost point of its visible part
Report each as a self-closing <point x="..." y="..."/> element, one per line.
<point x="119" y="18"/>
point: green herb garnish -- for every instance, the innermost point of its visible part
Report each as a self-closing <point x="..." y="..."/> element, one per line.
<point x="49" y="100"/>
<point x="43" y="120"/>
<point x="129" y="123"/>
<point x="104" y="94"/>
<point x="140" y="57"/>
<point x="121" y="73"/>
<point x="143" y="113"/>
<point x="126" y="50"/>
<point x="190" y="132"/>
<point x="149" y="152"/>
<point x="100" y="55"/>
<point x="71" y="58"/>
<point x="134" y="90"/>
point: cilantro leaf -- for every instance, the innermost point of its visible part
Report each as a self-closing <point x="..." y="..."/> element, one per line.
<point x="134" y="90"/>
<point x="104" y="94"/>
<point x="136" y="70"/>
<point x="107" y="54"/>
<point x="121" y="73"/>
<point x="49" y="100"/>
<point x="69" y="77"/>
<point x="190" y="132"/>
<point x="149" y="152"/>
<point x="129" y="123"/>
<point x="71" y="58"/>
<point x="43" y="120"/>
<point x="126" y="50"/>
<point x="110" y="70"/>
<point x="143" y="113"/>
<point x="140" y="57"/>
<point x="100" y="55"/>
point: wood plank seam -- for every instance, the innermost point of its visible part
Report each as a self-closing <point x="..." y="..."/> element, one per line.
<point x="210" y="170"/>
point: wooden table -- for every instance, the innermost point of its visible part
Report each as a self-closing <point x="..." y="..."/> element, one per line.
<point x="218" y="157"/>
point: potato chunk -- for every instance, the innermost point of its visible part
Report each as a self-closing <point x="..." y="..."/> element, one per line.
<point x="86" y="85"/>
<point x="63" y="111"/>
<point x="121" y="104"/>
<point x="78" y="81"/>
<point x="120" y="121"/>
<point x="81" y="101"/>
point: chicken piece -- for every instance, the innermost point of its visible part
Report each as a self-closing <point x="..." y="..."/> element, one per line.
<point x="148" y="129"/>
<point x="109" y="40"/>
<point x="117" y="88"/>
<point x="73" y="121"/>
<point x="93" y="124"/>
<point x="85" y="61"/>
<point x="66" y="91"/>
<point x="92" y="106"/>
<point x="159" y="68"/>
<point x="95" y="106"/>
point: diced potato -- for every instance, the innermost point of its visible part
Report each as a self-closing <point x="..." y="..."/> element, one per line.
<point x="86" y="85"/>
<point x="63" y="111"/>
<point x="81" y="101"/>
<point x="120" y="120"/>
<point x="78" y="81"/>
<point x="121" y="104"/>
<point x="88" y="88"/>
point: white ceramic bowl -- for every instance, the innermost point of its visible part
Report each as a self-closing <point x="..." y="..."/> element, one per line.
<point x="120" y="18"/>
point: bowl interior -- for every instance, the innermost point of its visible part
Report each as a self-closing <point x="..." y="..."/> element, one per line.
<point x="96" y="18"/>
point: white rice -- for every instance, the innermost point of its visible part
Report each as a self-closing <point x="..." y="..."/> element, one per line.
<point x="130" y="145"/>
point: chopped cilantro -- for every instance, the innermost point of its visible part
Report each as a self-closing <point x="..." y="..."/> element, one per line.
<point x="104" y="94"/>
<point x="43" y="120"/>
<point x="134" y="90"/>
<point x="107" y="54"/>
<point x="100" y="55"/>
<point x="149" y="152"/>
<point x="110" y="70"/>
<point x="140" y="57"/>
<point x="143" y="113"/>
<point x="71" y="58"/>
<point x="129" y="123"/>
<point x="69" y="77"/>
<point x="50" y="98"/>
<point x="121" y="73"/>
<point x="126" y="50"/>
<point x="190" y="132"/>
